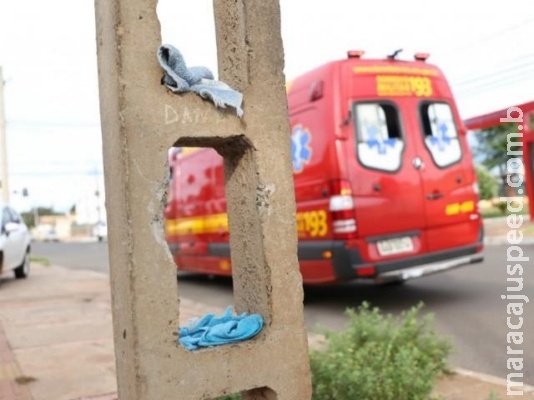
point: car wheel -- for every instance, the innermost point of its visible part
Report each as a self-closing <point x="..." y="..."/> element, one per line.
<point x="23" y="270"/>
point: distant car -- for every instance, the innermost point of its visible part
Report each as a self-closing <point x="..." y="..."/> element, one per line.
<point x="100" y="231"/>
<point x="46" y="233"/>
<point x="15" y="242"/>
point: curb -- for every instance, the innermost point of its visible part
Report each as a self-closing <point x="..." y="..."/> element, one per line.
<point x="527" y="389"/>
<point x="490" y="379"/>
<point x="501" y="240"/>
<point x="109" y="396"/>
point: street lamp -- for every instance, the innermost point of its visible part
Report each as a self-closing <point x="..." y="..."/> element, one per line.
<point x="25" y="193"/>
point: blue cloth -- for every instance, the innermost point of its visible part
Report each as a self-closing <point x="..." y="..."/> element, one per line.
<point x="214" y="331"/>
<point x="178" y="78"/>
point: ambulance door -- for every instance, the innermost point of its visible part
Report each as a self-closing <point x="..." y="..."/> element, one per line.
<point x="450" y="198"/>
<point x="385" y="182"/>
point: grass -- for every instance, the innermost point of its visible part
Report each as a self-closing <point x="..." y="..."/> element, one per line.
<point x="493" y="395"/>
<point x="494" y="212"/>
<point x="40" y="260"/>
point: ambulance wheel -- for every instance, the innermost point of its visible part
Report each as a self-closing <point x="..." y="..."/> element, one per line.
<point x="396" y="282"/>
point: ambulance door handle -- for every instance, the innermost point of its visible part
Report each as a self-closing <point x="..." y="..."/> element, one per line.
<point x="434" y="196"/>
<point x="417" y="163"/>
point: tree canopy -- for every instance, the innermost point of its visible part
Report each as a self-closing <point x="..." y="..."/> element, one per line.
<point x="486" y="183"/>
<point x="492" y="146"/>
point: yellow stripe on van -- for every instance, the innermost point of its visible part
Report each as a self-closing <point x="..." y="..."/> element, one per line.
<point x="185" y="151"/>
<point x="312" y="223"/>
<point x="289" y="84"/>
<point x="197" y="225"/>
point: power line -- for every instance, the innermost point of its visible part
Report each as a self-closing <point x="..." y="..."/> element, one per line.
<point x="527" y="76"/>
<point x="52" y="174"/>
<point x="503" y="80"/>
<point x="511" y="68"/>
<point x="53" y="124"/>
<point x="507" y="29"/>
<point x="493" y="85"/>
<point x="490" y="36"/>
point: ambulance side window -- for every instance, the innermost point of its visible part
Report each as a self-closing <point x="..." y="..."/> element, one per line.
<point x="440" y="133"/>
<point x="379" y="142"/>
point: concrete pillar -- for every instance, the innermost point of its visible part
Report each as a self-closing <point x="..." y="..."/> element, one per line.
<point x="141" y="120"/>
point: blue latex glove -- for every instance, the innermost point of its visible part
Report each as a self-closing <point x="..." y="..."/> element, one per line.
<point x="214" y="331"/>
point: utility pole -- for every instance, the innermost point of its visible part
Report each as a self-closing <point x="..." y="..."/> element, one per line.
<point x="97" y="195"/>
<point x="259" y="192"/>
<point x="3" y="144"/>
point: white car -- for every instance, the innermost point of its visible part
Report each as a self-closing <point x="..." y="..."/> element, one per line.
<point x="15" y="242"/>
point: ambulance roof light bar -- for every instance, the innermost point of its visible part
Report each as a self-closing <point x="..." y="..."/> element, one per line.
<point x="421" y="56"/>
<point x="355" y="53"/>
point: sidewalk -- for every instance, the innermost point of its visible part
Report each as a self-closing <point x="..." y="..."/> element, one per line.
<point x="56" y="340"/>
<point x="495" y="230"/>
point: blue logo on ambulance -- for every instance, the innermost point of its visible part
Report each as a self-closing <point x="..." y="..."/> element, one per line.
<point x="301" y="151"/>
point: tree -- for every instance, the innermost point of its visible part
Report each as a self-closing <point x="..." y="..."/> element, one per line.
<point x="30" y="216"/>
<point x="486" y="183"/>
<point x="492" y="147"/>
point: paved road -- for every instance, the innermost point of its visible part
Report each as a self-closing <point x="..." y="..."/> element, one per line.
<point x="88" y="255"/>
<point x="466" y="302"/>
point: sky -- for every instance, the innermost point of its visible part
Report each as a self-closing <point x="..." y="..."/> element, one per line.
<point x="48" y="56"/>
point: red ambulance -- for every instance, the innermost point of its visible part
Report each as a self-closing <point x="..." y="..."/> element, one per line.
<point x="384" y="180"/>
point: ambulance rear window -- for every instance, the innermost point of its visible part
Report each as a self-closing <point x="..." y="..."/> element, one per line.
<point x="440" y="133"/>
<point x="379" y="136"/>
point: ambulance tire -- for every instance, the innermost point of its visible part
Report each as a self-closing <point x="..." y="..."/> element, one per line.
<point x="393" y="283"/>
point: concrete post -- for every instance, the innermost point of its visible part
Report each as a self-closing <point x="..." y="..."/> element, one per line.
<point x="141" y="120"/>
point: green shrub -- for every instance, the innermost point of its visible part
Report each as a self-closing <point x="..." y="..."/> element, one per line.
<point x="502" y="205"/>
<point x="487" y="184"/>
<point x="380" y="358"/>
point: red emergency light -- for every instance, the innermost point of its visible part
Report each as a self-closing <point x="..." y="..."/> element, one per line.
<point x="421" y="56"/>
<point x="355" y="53"/>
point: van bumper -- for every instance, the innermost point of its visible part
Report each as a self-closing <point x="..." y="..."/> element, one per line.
<point x="426" y="269"/>
<point x="346" y="262"/>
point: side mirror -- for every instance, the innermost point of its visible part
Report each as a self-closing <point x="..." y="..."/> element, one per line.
<point x="12" y="227"/>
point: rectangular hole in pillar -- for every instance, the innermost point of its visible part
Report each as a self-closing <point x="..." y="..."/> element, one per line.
<point x="196" y="230"/>
<point x="191" y="29"/>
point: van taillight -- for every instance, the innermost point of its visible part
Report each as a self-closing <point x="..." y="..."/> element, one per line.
<point x="342" y="209"/>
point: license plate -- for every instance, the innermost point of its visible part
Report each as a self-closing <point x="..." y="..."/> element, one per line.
<point x="395" y="246"/>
